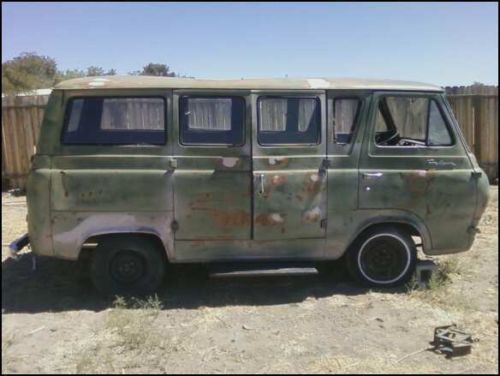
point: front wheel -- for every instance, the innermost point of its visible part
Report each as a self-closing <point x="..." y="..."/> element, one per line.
<point x="382" y="257"/>
<point x="127" y="265"/>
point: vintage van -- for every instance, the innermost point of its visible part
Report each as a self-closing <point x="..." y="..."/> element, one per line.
<point x="157" y="171"/>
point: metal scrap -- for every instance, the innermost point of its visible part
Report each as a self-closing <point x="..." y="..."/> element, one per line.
<point x="451" y="341"/>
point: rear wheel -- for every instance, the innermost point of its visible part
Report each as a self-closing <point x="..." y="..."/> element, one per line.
<point x="382" y="257"/>
<point x="127" y="265"/>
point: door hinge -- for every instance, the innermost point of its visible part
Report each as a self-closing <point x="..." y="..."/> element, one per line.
<point x="174" y="225"/>
<point x="323" y="223"/>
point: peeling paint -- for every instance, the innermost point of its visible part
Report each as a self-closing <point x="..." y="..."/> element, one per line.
<point x="278" y="179"/>
<point x="277" y="218"/>
<point x="266" y="219"/>
<point x="229" y="162"/>
<point x="312" y="215"/>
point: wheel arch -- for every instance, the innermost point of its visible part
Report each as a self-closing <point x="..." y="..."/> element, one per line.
<point x="414" y="228"/>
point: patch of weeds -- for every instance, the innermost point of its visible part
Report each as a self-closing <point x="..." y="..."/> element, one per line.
<point x="120" y="302"/>
<point x="132" y="322"/>
<point x="150" y="303"/>
<point x="442" y="275"/>
<point x="412" y="284"/>
<point x="131" y="340"/>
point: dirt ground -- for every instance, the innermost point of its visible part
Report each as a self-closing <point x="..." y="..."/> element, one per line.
<point x="54" y="322"/>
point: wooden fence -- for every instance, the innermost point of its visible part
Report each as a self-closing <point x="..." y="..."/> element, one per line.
<point x="21" y="119"/>
<point x="475" y="107"/>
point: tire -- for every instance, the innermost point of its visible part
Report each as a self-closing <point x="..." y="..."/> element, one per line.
<point x="127" y="265"/>
<point x="382" y="257"/>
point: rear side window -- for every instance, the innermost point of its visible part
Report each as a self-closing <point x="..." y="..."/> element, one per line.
<point x="212" y="120"/>
<point x="289" y="120"/>
<point x="115" y="121"/>
<point x="345" y="114"/>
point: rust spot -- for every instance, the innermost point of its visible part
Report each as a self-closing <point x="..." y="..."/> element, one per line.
<point x="277" y="162"/>
<point x="418" y="182"/>
<point x="278" y="179"/>
<point x="266" y="219"/>
<point x="312" y="183"/>
<point x="312" y="215"/>
<point x="226" y="218"/>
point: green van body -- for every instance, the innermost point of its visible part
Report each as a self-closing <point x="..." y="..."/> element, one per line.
<point x="209" y="203"/>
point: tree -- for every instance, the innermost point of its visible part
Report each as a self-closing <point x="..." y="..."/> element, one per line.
<point x="98" y="71"/>
<point x="28" y="71"/>
<point x="68" y="75"/>
<point x="153" y="69"/>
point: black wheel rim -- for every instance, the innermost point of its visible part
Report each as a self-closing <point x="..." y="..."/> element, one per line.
<point x="384" y="259"/>
<point x="127" y="267"/>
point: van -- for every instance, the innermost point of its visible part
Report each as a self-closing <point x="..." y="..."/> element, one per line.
<point x="138" y="173"/>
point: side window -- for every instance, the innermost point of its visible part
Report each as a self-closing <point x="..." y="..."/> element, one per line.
<point x="212" y="120"/>
<point x="410" y="121"/>
<point x="438" y="132"/>
<point x="115" y="121"/>
<point x="345" y="113"/>
<point x="289" y="120"/>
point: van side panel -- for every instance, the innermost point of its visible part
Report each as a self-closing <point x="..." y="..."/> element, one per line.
<point x="103" y="189"/>
<point x="434" y="184"/>
<point x="99" y="195"/>
<point x="38" y="202"/>
<point x="39" y="179"/>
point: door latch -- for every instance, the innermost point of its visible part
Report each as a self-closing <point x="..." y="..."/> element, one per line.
<point x="172" y="163"/>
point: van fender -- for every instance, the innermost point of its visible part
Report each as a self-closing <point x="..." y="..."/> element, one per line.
<point x="71" y="230"/>
<point x="393" y="216"/>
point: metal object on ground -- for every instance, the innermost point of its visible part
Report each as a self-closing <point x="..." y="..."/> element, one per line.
<point x="451" y="341"/>
<point x="16" y="192"/>
<point x="423" y="272"/>
<point x="17" y="245"/>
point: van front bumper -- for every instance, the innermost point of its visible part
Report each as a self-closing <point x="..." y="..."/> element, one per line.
<point x="17" y="245"/>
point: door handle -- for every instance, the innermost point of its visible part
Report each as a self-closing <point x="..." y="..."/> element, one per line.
<point x="261" y="181"/>
<point x="370" y="175"/>
<point x="440" y="164"/>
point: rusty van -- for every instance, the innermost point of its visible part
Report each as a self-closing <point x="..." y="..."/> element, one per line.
<point x="154" y="171"/>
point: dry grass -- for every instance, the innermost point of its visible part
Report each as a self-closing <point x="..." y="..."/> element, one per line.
<point x="273" y="326"/>
<point x="129" y="335"/>
<point x="7" y="357"/>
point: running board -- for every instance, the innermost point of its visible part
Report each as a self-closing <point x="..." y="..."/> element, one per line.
<point x="260" y="269"/>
